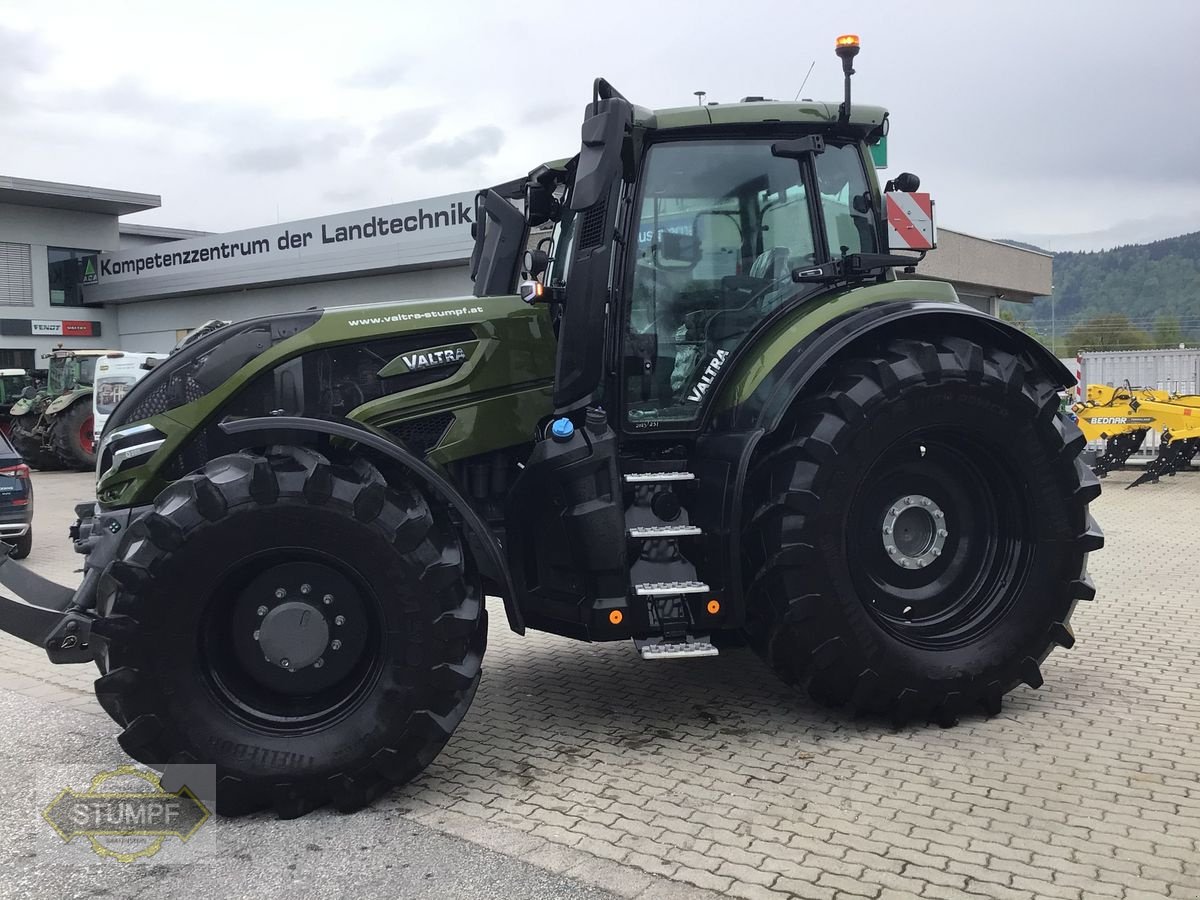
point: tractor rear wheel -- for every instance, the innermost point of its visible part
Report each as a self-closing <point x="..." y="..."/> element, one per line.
<point x="310" y="629"/>
<point x="73" y="435"/>
<point x="918" y="536"/>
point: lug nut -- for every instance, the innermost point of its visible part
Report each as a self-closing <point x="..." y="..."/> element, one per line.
<point x="262" y="610"/>
<point x="892" y="550"/>
<point x="937" y="514"/>
<point x="256" y="633"/>
<point x="280" y="593"/>
<point x="318" y="663"/>
<point x="286" y="663"/>
<point x="327" y="599"/>
<point x="924" y="501"/>
<point x="335" y="645"/>
<point x="937" y="551"/>
<point x="887" y="531"/>
<point x="306" y="588"/>
<point x="339" y="620"/>
<point x="942" y="532"/>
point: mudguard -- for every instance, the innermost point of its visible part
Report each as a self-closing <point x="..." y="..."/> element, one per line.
<point x="764" y="407"/>
<point x="62" y="403"/>
<point x="21" y="407"/>
<point x="295" y="429"/>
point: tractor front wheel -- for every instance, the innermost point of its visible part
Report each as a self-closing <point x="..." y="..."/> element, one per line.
<point x="312" y="630"/>
<point x="919" y="534"/>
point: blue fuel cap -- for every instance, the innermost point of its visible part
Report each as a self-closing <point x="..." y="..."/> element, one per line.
<point x="562" y="430"/>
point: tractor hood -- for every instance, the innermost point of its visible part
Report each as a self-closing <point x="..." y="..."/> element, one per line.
<point x="246" y="347"/>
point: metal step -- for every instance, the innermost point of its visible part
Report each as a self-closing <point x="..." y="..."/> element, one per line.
<point x="662" y="588"/>
<point x="656" y="648"/>
<point x="664" y="531"/>
<point x="651" y="477"/>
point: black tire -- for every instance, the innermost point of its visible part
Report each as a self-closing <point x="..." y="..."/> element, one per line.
<point x="976" y="432"/>
<point x="176" y="677"/>
<point x="73" y="437"/>
<point x="29" y="444"/>
<point x="23" y="545"/>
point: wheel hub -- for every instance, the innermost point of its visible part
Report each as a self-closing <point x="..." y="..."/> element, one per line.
<point x="293" y="635"/>
<point x="298" y="628"/>
<point x="914" y="531"/>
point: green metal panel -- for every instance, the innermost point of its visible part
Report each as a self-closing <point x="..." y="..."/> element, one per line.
<point x="807" y="318"/>
<point x="498" y="394"/>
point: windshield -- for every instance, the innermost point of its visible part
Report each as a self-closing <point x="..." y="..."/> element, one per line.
<point x="722" y="225"/>
<point x="68" y="372"/>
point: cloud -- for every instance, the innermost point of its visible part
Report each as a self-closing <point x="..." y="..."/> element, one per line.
<point x="547" y="112"/>
<point x="458" y="151"/>
<point x="404" y="129"/>
<point x="382" y="75"/>
<point x="21" y="54"/>
<point x="290" y="151"/>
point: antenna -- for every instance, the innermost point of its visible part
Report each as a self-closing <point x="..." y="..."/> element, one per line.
<point x="700" y="97"/>
<point x="805" y="81"/>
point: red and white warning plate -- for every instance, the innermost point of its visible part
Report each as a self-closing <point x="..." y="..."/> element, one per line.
<point x="910" y="221"/>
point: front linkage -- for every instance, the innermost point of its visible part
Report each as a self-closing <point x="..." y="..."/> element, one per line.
<point x="62" y="620"/>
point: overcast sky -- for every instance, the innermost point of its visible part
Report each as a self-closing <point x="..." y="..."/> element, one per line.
<point x="1074" y="124"/>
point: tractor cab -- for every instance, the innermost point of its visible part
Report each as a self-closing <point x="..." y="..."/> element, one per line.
<point x="69" y="370"/>
<point x="680" y="238"/>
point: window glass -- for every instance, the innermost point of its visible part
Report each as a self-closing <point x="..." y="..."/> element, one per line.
<point x="721" y="226"/>
<point x="846" y="201"/>
<point x="68" y="271"/>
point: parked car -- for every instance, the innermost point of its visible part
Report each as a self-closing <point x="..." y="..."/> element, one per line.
<point x="16" y="500"/>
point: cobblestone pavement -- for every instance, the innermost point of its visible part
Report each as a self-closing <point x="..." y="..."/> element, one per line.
<point x="677" y="778"/>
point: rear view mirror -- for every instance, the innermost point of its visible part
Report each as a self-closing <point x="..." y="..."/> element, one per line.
<point x="678" y="250"/>
<point x="905" y="182"/>
<point x="29" y="393"/>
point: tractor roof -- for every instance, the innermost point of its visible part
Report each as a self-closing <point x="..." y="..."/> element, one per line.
<point x="806" y="112"/>
<point x="863" y="119"/>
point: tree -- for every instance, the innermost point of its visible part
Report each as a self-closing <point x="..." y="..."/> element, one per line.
<point x="1167" y="332"/>
<point x="1111" y="331"/>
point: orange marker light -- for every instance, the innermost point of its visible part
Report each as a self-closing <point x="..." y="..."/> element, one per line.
<point x="616" y="617"/>
<point x="847" y="40"/>
<point x="714" y="607"/>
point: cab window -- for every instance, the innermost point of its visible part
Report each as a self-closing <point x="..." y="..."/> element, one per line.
<point x="721" y="226"/>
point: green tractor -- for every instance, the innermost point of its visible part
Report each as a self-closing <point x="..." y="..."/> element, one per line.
<point x="705" y="413"/>
<point x="54" y="427"/>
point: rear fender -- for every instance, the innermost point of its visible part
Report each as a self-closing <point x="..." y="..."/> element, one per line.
<point x="765" y="407"/>
<point x="61" y="404"/>
<point x="482" y="542"/>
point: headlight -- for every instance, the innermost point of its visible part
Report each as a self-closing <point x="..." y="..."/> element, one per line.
<point x="122" y="447"/>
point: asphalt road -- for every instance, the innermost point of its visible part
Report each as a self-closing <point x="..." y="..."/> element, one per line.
<point x="377" y="852"/>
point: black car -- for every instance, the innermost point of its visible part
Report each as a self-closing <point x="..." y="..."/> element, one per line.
<point x="16" y="500"/>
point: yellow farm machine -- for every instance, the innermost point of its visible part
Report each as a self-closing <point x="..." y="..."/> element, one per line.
<point x="1123" y="416"/>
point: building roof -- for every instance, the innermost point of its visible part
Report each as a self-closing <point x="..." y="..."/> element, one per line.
<point x="989" y="268"/>
<point x="77" y="197"/>
<point x="160" y="231"/>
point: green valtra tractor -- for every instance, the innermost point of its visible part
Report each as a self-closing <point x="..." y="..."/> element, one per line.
<point x="54" y="427"/>
<point x="705" y="413"/>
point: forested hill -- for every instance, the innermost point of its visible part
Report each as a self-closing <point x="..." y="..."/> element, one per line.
<point x="1151" y="284"/>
